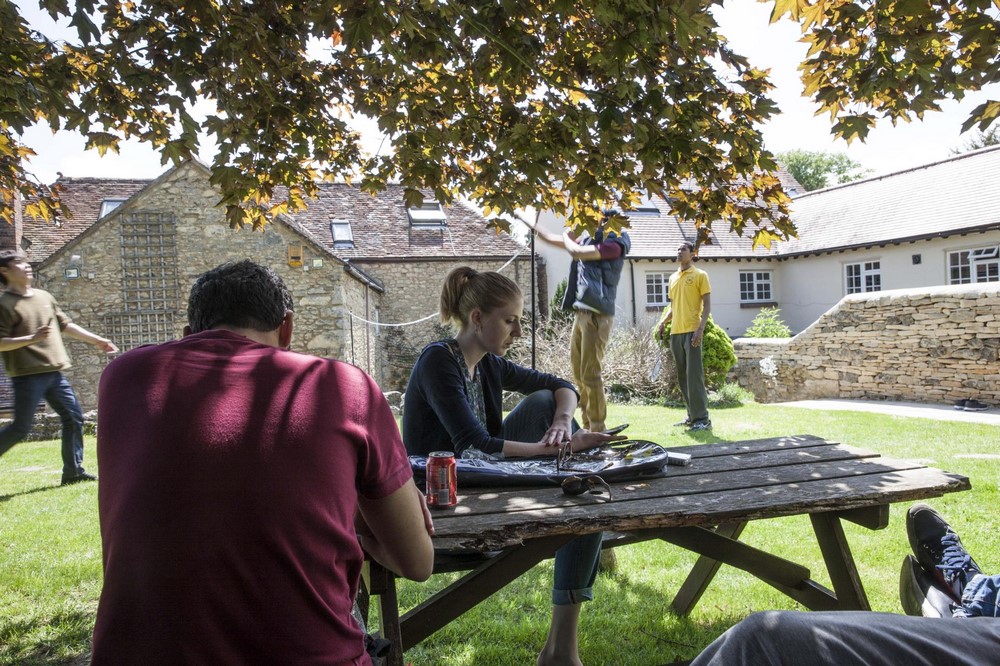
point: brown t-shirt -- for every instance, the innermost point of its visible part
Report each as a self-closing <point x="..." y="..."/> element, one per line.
<point x="23" y="315"/>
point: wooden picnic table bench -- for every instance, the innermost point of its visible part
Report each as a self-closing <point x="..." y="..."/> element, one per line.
<point x="497" y="534"/>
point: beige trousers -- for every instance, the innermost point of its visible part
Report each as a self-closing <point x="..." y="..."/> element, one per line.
<point x="591" y="331"/>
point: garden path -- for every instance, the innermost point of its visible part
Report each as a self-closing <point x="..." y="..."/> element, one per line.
<point x="911" y="409"/>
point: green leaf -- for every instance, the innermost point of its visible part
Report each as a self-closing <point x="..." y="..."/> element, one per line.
<point x="983" y="115"/>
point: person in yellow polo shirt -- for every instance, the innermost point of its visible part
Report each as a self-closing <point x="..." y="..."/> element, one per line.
<point x="690" y="305"/>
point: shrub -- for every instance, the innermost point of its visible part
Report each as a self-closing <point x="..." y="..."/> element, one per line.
<point x="767" y="324"/>
<point x="717" y="352"/>
<point x="635" y="369"/>
<point x="730" y="394"/>
<point x="556" y="312"/>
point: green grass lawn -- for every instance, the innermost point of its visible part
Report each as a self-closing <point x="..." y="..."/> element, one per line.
<point x="50" y="554"/>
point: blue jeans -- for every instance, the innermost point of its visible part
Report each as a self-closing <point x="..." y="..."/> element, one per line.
<point x="576" y="562"/>
<point x="980" y="598"/>
<point x="53" y="387"/>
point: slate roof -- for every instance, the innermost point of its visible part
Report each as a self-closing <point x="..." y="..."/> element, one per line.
<point x="382" y="230"/>
<point x="657" y="236"/>
<point x="84" y="197"/>
<point x="949" y="197"/>
<point x="940" y="199"/>
<point x="380" y="224"/>
<point x="7" y="240"/>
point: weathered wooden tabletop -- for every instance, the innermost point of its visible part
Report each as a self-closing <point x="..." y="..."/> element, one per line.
<point x="743" y="480"/>
<point x="702" y="507"/>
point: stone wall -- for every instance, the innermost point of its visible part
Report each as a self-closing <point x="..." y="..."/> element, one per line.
<point x="204" y="240"/>
<point x="933" y="345"/>
<point x="412" y="292"/>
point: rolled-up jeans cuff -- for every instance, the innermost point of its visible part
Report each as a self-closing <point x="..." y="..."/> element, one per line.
<point x="570" y="597"/>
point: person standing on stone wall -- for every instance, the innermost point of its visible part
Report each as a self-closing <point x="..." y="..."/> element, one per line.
<point x="31" y="330"/>
<point x="590" y="293"/>
<point x="690" y="305"/>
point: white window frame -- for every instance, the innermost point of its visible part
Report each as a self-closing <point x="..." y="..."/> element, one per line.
<point x="757" y="280"/>
<point x="868" y="277"/>
<point x="657" y="284"/>
<point x="981" y="264"/>
<point x="427" y="214"/>
<point x="343" y="235"/>
<point x="108" y="206"/>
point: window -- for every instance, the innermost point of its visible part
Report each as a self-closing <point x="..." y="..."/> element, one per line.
<point x="109" y="205"/>
<point x="755" y="287"/>
<point x="343" y="237"/>
<point x="979" y="265"/>
<point x="863" y="277"/>
<point x="656" y="289"/>
<point x="646" y="207"/>
<point x="427" y="214"/>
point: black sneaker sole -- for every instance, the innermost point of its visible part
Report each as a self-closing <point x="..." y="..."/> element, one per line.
<point x="918" y="592"/>
<point x="78" y="479"/>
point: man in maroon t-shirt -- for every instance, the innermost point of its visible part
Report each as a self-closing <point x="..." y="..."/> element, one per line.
<point x="235" y="479"/>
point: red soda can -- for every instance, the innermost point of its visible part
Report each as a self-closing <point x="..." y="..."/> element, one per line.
<point x="442" y="480"/>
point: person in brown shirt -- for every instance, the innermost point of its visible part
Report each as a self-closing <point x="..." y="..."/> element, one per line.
<point x="31" y="330"/>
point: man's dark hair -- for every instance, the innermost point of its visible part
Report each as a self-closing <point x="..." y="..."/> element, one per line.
<point x="7" y="256"/>
<point x="241" y="294"/>
<point x="686" y="244"/>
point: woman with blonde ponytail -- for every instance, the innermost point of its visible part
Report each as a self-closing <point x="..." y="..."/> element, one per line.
<point x="454" y="403"/>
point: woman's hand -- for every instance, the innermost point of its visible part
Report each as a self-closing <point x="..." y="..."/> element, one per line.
<point x="559" y="432"/>
<point x="585" y="439"/>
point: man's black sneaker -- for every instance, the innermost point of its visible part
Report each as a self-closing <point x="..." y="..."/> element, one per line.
<point x="701" y="425"/>
<point x="960" y="404"/>
<point x="939" y="550"/>
<point x="975" y="406"/>
<point x="919" y="592"/>
<point x="82" y="476"/>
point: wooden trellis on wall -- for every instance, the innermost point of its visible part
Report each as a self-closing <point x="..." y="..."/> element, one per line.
<point x="149" y="281"/>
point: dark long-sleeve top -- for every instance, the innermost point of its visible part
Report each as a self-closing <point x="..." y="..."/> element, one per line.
<point x="437" y="415"/>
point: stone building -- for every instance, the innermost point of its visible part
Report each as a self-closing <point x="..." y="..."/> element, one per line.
<point x="123" y="263"/>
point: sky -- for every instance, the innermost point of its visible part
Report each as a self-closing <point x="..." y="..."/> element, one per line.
<point x="776" y="47"/>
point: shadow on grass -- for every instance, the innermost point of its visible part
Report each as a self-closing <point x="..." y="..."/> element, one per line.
<point x="62" y="639"/>
<point x="42" y="489"/>
<point x="628" y="623"/>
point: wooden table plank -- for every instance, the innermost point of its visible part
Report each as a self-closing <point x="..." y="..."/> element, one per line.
<point x="504" y="501"/>
<point x="493" y="530"/>
<point x="723" y="448"/>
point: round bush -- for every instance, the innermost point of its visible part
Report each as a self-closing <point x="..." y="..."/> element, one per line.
<point x="717" y="353"/>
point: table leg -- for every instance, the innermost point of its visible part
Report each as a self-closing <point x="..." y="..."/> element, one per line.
<point x="474" y="587"/>
<point x="702" y="573"/>
<point x="382" y="582"/>
<point x="788" y="577"/>
<point x="839" y="562"/>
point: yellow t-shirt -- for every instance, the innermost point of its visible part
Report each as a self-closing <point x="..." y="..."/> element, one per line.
<point x="686" y="290"/>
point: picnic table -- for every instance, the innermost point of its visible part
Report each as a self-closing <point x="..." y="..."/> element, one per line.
<point x="497" y="534"/>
